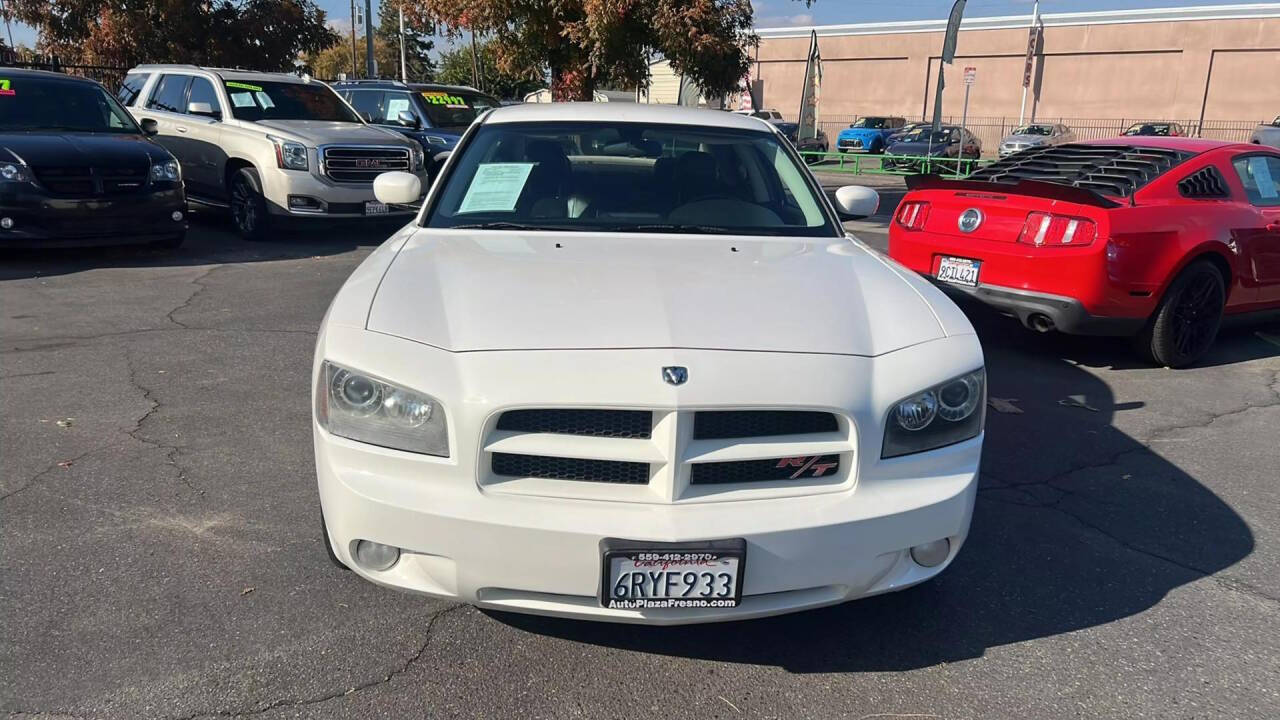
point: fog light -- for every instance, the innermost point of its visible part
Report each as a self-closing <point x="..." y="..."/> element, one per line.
<point x="931" y="554"/>
<point x="6" y="223"/>
<point x="303" y="202"/>
<point x="376" y="556"/>
<point x="177" y="216"/>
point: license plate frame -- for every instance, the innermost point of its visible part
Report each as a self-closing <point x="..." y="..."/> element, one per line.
<point x="956" y="270"/>
<point x="611" y="548"/>
<point x="373" y="207"/>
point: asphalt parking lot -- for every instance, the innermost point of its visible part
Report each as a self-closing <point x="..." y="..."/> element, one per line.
<point x="161" y="554"/>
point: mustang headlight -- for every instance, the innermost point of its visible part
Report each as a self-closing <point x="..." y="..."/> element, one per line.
<point x="941" y="415"/>
<point x="363" y="408"/>
<point x="165" y="172"/>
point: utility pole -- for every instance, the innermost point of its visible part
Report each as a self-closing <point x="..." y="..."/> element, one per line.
<point x="1031" y="53"/>
<point x="370" y="67"/>
<point x="475" y="63"/>
<point x="404" y="73"/>
<point x="353" y="39"/>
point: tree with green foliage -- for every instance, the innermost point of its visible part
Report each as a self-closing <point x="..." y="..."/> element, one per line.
<point x="455" y="69"/>
<point x="581" y="42"/>
<point x="257" y="34"/>
<point x="417" y="44"/>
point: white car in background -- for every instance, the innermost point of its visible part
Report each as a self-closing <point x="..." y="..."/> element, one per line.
<point x="626" y="365"/>
<point x="1035" y="135"/>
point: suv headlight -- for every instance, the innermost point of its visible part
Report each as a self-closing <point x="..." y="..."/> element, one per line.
<point x="363" y="408"/>
<point x="418" y="157"/>
<point x="290" y="155"/>
<point x="14" y="173"/>
<point x="165" y="171"/>
<point x="944" y="414"/>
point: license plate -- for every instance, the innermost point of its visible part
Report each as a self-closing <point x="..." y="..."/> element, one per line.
<point x="959" y="271"/>
<point x="372" y="207"/>
<point x="643" y="575"/>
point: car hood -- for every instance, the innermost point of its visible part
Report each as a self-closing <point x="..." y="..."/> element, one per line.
<point x="81" y="149"/>
<point x="917" y="148"/>
<point x="329" y="132"/>
<point x="1029" y="139"/>
<point x="496" y="290"/>
<point x="861" y="132"/>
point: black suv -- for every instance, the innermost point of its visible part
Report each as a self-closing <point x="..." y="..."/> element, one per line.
<point x="434" y="115"/>
<point x="75" y="169"/>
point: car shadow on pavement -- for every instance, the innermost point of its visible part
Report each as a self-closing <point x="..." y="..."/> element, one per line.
<point x="1076" y="525"/>
<point x="210" y="240"/>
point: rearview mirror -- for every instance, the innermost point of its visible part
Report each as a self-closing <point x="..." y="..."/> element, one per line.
<point x="397" y="188"/>
<point x="203" y="108"/>
<point x="149" y="126"/>
<point x="408" y="119"/>
<point x="854" y="202"/>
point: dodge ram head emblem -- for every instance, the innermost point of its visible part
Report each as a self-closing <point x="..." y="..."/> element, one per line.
<point x="675" y="375"/>
<point x="970" y="220"/>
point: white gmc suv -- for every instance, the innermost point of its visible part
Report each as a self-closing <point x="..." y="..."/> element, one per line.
<point x="626" y="365"/>
<point x="267" y="146"/>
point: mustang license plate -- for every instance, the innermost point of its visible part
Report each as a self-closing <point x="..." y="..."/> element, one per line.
<point x="372" y="207"/>
<point x="959" y="271"/>
<point x="639" y="575"/>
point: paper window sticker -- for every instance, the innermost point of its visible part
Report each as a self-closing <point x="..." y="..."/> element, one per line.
<point x="496" y="187"/>
<point x="242" y="99"/>
<point x="1261" y="171"/>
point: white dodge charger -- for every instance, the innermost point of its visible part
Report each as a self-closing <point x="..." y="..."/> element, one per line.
<point x="626" y="365"/>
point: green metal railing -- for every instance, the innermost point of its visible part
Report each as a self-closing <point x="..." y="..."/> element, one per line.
<point x="867" y="164"/>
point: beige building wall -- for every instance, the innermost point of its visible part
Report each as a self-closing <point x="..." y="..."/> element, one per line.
<point x="1150" y="64"/>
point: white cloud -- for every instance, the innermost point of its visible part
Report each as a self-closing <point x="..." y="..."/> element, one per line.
<point x="799" y="19"/>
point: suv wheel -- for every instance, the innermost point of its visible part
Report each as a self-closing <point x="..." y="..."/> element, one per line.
<point x="1187" y="319"/>
<point x="248" y="206"/>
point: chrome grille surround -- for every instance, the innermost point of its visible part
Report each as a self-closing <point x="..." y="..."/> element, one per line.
<point x="360" y="164"/>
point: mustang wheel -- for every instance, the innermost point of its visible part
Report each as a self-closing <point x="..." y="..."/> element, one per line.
<point x="248" y="207"/>
<point x="1187" y="319"/>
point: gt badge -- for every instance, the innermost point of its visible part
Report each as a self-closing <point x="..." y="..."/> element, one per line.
<point x="970" y="220"/>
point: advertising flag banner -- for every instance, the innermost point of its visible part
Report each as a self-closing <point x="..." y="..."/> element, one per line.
<point x="812" y="89"/>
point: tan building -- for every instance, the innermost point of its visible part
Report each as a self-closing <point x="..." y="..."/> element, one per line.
<point x="1219" y="64"/>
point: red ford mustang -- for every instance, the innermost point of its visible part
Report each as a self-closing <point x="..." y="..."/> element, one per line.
<point x="1157" y="238"/>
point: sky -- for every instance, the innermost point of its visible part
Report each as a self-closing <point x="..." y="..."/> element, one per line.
<point x="777" y="13"/>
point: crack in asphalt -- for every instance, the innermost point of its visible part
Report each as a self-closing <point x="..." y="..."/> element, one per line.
<point x="62" y="341"/>
<point x="31" y="481"/>
<point x="304" y="702"/>
<point x="171" y="451"/>
<point x="200" y="288"/>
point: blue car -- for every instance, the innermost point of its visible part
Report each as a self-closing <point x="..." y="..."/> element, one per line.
<point x="869" y="134"/>
<point x="434" y="115"/>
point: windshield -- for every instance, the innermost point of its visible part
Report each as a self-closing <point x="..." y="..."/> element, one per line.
<point x="263" y="100"/>
<point x="926" y="134"/>
<point x="28" y="103"/>
<point x="875" y="123"/>
<point x="453" y="108"/>
<point x="1147" y="129"/>
<point x="630" y="177"/>
<point x="1034" y="130"/>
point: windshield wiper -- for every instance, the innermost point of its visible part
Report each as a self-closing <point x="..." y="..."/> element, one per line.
<point x="505" y="225"/>
<point x="674" y="228"/>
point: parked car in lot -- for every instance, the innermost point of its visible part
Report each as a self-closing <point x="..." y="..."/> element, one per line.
<point x="75" y="169"/>
<point x="948" y="142"/>
<point x="817" y="143"/>
<point x="869" y="134"/>
<point x="1155" y="129"/>
<point x="1035" y="135"/>
<point x="626" y="365"/>
<point x="434" y="115"/>
<point x="1267" y="134"/>
<point x="267" y="146"/>
<point x="904" y="130"/>
<point x="1155" y="238"/>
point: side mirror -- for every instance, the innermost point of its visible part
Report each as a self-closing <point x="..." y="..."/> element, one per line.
<point x="203" y="108"/>
<point x="854" y="202"/>
<point x="397" y="188"/>
<point x="408" y="119"/>
<point x="149" y="126"/>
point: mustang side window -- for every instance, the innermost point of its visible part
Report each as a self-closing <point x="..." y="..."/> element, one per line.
<point x="1260" y="175"/>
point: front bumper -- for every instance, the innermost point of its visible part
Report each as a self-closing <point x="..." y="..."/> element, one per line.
<point x="536" y="547"/>
<point x="334" y="199"/>
<point x="40" y="220"/>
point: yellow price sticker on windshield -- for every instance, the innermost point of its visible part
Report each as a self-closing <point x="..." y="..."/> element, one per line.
<point x="443" y="98"/>
<point x="244" y="86"/>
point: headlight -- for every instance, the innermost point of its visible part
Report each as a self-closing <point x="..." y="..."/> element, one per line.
<point x="289" y="154"/>
<point x="165" y="171"/>
<point x="13" y="172"/>
<point x="363" y="408"/>
<point x="417" y="156"/>
<point x="941" y="415"/>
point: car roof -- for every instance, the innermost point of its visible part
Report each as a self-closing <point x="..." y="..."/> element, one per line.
<point x="224" y="73"/>
<point x="623" y="112"/>
<point x="1186" y="144"/>
<point x="46" y="75"/>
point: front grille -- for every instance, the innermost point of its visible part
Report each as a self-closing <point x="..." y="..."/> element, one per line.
<point x="92" y="181"/>
<point x="631" y="424"/>
<point x="362" y="164"/>
<point x="1119" y="170"/>
<point x="725" y="424"/>
<point x="556" y="468"/>
<point x="749" y="471"/>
